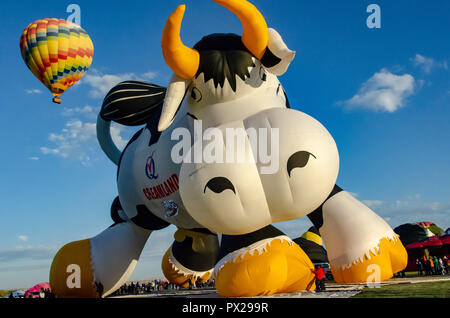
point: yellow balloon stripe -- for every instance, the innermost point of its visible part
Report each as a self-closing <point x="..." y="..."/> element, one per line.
<point x="52" y="43"/>
<point x="63" y="47"/>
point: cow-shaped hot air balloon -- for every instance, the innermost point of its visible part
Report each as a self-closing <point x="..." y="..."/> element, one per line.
<point x="225" y="209"/>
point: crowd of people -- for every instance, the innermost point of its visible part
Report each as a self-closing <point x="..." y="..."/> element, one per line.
<point x="426" y="266"/>
<point x="156" y="285"/>
<point x="432" y="265"/>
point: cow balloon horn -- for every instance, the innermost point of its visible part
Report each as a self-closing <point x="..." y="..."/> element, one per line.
<point x="183" y="60"/>
<point x="255" y="35"/>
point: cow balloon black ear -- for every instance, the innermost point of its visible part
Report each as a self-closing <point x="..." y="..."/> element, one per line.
<point x="133" y="103"/>
<point x="278" y="56"/>
<point x="269" y="59"/>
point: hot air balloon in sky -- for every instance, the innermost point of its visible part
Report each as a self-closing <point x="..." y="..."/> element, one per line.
<point x="58" y="53"/>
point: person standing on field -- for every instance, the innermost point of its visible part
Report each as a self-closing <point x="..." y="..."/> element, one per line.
<point x="320" y="278"/>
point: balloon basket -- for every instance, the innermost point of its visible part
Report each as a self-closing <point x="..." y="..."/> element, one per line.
<point x="57" y="100"/>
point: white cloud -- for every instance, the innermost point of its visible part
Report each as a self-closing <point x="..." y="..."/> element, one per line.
<point x="120" y="142"/>
<point x="33" y="91"/>
<point x="410" y="210"/>
<point x="372" y="203"/>
<point x="102" y="83"/>
<point x="87" y="111"/>
<point x="26" y="252"/>
<point x="34" y="158"/>
<point x="74" y="141"/>
<point x="24" y="268"/>
<point x="427" y="64"/>
<point x="435" y="206"/>
<point x="23" y="238"/>
<point x="48" y="151"/>
<point x="78" y="141"/>
<point x="149" y="75"/>
<point x="384" y="91"/>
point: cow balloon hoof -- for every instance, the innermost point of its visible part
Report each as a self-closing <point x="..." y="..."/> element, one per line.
<point x="179" y="275"/>
<point x="71" y="273"/>
<point x="265" y="268"/>
<point x="191" y="257"/>
<point x="378" y="264"/>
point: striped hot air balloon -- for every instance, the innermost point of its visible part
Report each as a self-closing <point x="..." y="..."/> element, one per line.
<point x="58" y="53"/>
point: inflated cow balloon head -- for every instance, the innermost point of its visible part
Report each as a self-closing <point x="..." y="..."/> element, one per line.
<point x="230" y="82"/>
<point x="224" y="69"/>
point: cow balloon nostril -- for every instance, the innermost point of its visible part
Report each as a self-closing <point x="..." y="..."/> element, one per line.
<point x="219" y="184"/>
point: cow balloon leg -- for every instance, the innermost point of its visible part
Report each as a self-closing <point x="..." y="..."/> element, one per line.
<point x="96" y="267"/>
<point x="191" y="257"/>
<point x="108" y="259"/>
<point x="361" y="246"/>
<point x="264" y="262"/>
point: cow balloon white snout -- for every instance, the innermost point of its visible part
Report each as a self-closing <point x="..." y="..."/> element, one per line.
<point x="239" y="196"/>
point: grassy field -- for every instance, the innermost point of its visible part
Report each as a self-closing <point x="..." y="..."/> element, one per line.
<point x="418" y="290"/>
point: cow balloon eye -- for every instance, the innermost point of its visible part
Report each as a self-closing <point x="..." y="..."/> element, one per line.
<point x="298" y="160"/>
<point x="196" y="94"/>
<point x="219" y="184"/>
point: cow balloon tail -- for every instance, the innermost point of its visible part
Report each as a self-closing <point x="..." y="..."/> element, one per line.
<point x="106" y="143"/>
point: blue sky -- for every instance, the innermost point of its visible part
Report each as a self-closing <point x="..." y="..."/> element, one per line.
<point x="384" y="94"/>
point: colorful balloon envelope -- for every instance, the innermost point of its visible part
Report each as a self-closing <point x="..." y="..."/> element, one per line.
<point x="58" y="53"/>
